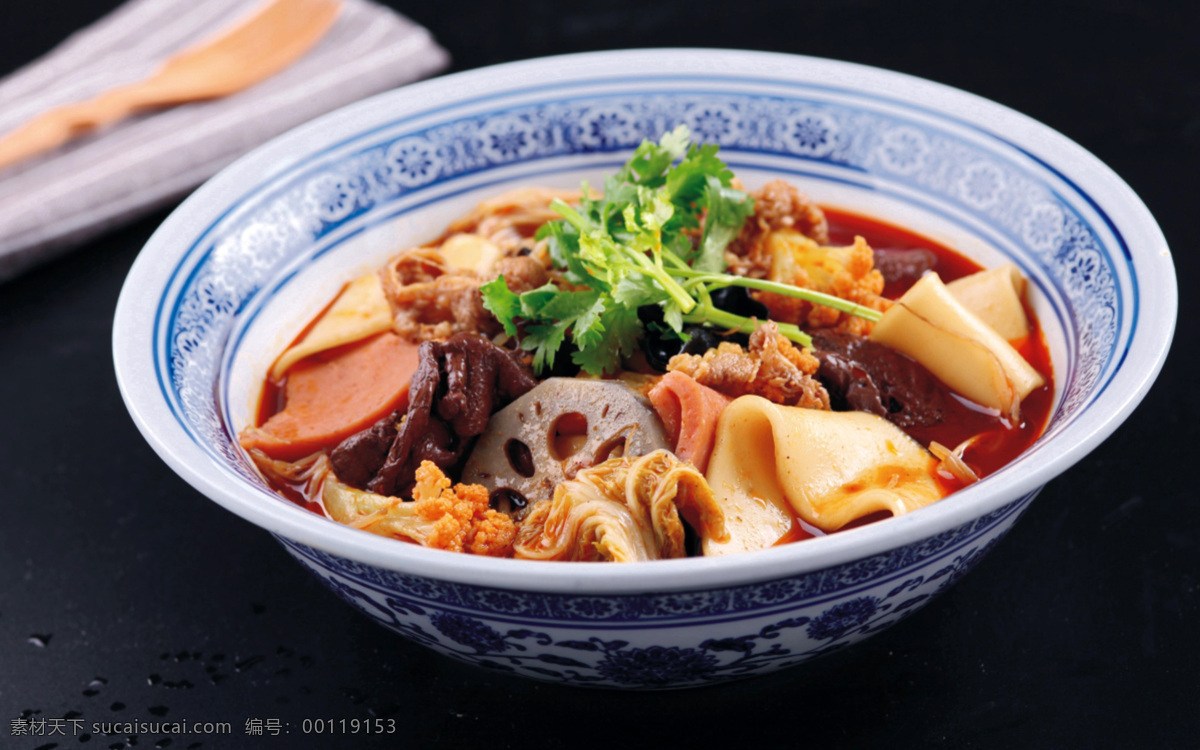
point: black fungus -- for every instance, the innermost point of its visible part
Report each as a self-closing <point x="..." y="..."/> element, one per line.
<point x="701" y="339"/>
<point x="507" y="500"/>
<point x="659" y="346"/>
<point x="737" y="300"/>
<point x="564" y="364"/>
<point x="660" y="343"/>
<point x="650" y="314"/>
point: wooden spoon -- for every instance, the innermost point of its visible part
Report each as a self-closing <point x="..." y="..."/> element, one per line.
<point x="256" y="49"/>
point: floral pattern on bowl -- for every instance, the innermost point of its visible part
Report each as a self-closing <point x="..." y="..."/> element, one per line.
<point x="697" y="637"/>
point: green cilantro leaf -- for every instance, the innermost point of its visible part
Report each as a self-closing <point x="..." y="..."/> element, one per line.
<point x="673" y="316"/>
<point x="535" y="300"/>
<point x="636" y="290"/>
<point x="728" y="210"/>
<point x="544" y="341"/>
<point x="651" y="160"/>
<point x="634" y="246"/>
<point x="500" y="301"/>
<point x="622" y="329"/>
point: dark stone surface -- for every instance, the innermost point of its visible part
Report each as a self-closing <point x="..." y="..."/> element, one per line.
<point x="124" y="594"/>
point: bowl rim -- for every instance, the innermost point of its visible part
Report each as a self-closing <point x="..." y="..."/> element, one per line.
<point x="133" y="337"/>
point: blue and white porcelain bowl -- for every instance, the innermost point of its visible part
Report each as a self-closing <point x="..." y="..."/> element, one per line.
<point x="231" y="277"/>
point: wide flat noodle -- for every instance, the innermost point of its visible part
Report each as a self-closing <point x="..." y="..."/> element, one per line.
<point x="361" y="310"/>
<point x="930" y="326"/>
<point x="827" y="468"/>
<point x="995" y="297"/>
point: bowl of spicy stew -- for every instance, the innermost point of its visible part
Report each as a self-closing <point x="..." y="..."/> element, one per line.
<point x="244" y="269"/>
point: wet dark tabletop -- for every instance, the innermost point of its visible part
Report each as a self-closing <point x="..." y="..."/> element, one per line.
<point x="124" y="594"/>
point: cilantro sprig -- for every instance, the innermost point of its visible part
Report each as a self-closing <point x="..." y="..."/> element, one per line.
<point x="656" y="237"/>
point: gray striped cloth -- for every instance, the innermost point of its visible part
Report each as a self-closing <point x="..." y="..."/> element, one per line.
<point x="60" y="199"/>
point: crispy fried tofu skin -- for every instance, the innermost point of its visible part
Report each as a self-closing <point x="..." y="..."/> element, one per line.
<point x="433" y="298"/>
<point x="787" y="240"/>
<point x="777" y="205"/>
<point x="456" y="519"/>
<point x="622" y="510"/>
<point x="847" y="272"/>
<point x="771" y="367"/>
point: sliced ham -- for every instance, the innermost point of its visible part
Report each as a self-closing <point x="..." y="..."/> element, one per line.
<point x="334" y="394"/>
<point x="689" y="412"/>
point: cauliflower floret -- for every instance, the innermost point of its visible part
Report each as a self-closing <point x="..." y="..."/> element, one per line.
<point x="461" y="518"/>
<point x="456" y="519"/>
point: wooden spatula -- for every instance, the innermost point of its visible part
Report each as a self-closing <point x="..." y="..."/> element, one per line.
<point x="256" y="49"/>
